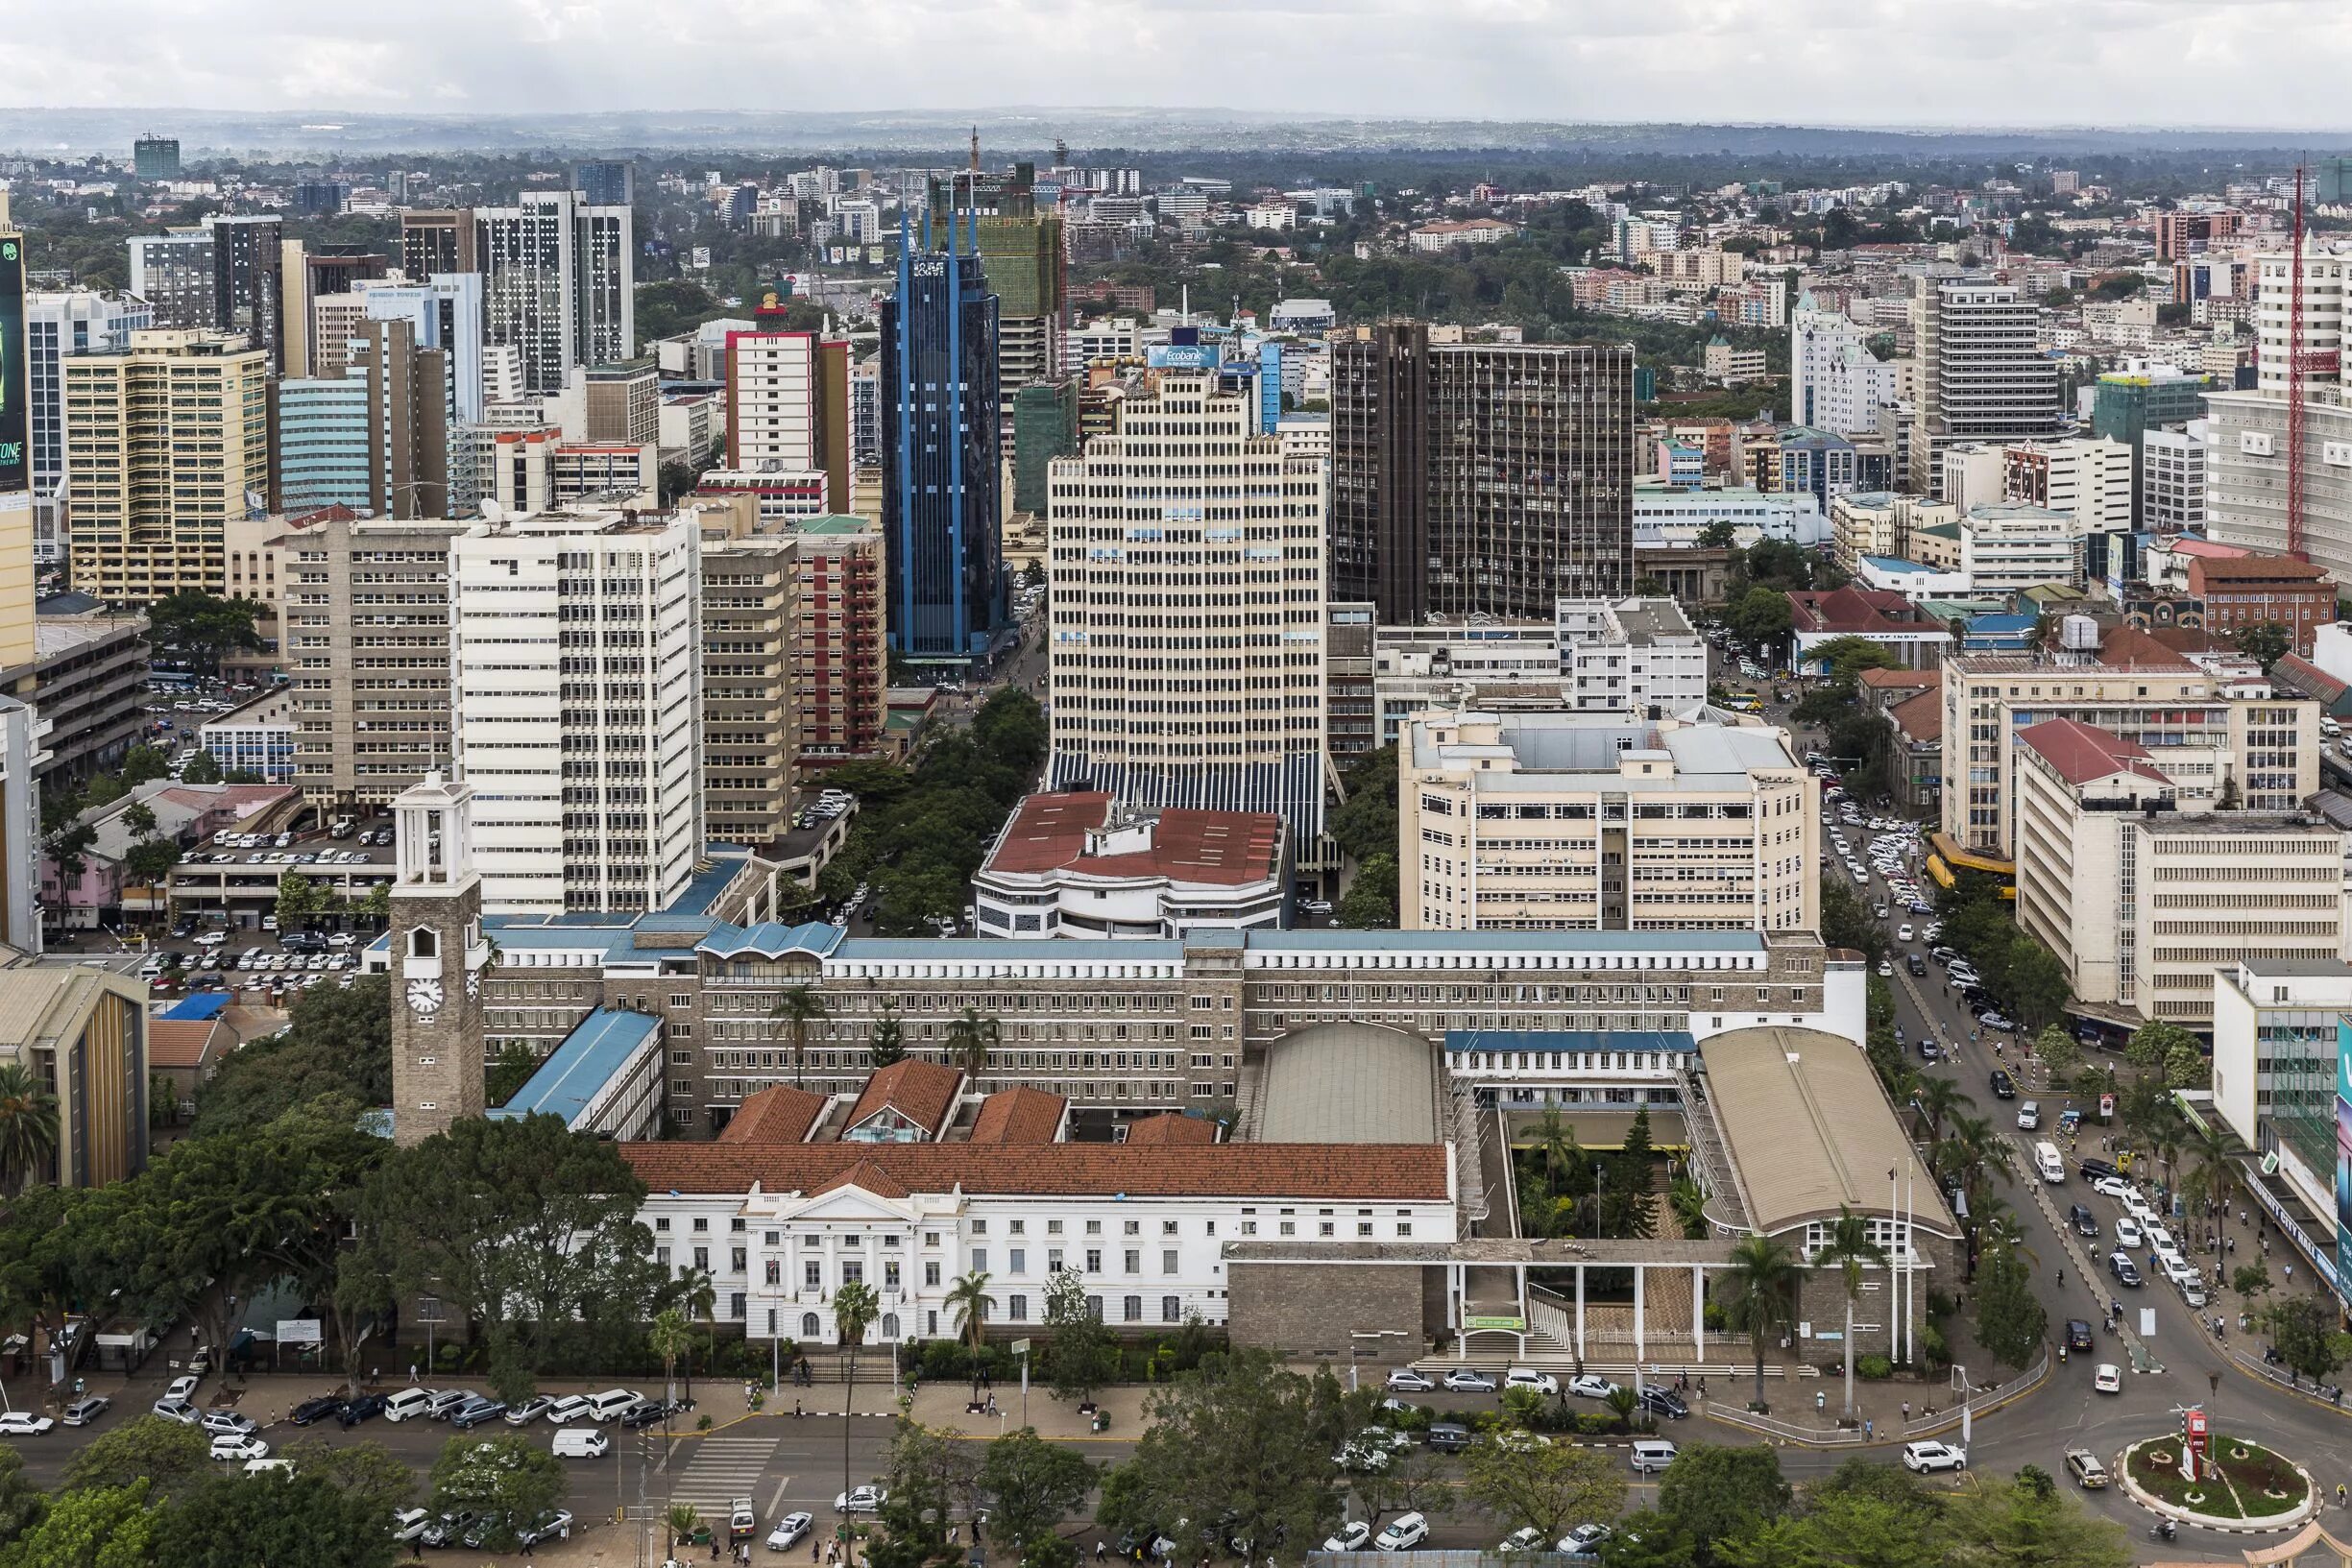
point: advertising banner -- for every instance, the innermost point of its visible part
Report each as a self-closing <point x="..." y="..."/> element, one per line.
<point x="15" y="380"/>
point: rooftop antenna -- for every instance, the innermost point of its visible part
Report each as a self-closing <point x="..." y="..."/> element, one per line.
<point x="976" y="149"/>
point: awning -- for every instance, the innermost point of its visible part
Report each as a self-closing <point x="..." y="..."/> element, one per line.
<point x="1940" y="872"/>
<point x="1967" y="860"/>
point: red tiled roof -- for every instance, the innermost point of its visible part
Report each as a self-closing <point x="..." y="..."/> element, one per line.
<point x="869" y="1175"/>
<point x="1416" y="1172"/>
<point x="1921" y="717"/>
<point x="2127" y="646"/>
<point x="182" y="1042"/>
<point x="1019" y="1116"/>
<point x="2310" y="679"/>
<point x="2083" y="752"/>
<point x="922" y="1092"/>
<point x="1171" y="1128"/>
<point x="1049" y="833"/>
<point x="1854" y="610"/>
<point x="780" y="1115"/>
<point x="2209" y="549"/>
<point x="2283" y="568"/>
<point x="2187" y="639"/>
<point x="1902" y="677"/>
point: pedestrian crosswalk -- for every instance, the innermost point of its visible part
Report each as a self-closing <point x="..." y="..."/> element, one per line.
<point x="721" y="1470"/>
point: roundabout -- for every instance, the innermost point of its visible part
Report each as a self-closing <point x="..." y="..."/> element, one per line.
<point x="2240" y="1486"/>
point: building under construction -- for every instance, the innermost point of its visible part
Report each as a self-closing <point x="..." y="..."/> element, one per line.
<point x="1021" y="252"/>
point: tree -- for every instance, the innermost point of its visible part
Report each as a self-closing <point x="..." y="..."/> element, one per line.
<point x="300" y="901"/>
<point x="2186" y="1065"/>
<point x="1370" y="903"/>
<point x="1646" y="1538"/>
<point x="203" y="768"/>
<point x="855" y="1306"/>
<point x="1365" y="823"/>
<point x="969" y="1302"/>
<point x="1549" y="1488"/>
<point x="1847" y="1249"/>
<point x="337" y="1043"/>
<point x="365" y="1470"/>
<point x="1416" y="1483"/>
<point x="28" y="1126"/>
<point x="931" y="1476"/>
<point x="286" y="1519"/>
<point x="2038" y="987"/>
<point x="507" y="1076"/>
<point x="1761" y="1297"/>
<point x="68" y="843"/>
<point x="2027" y="1523"/>
<point x="2061" y="1052"/>
<point x="1719" y="535"/>
<point x="1760" y="617"/>
<point x="165" y="1454"/>
<point x="1846" y="921"/>
<point x="200" y="627"/>
<point x="2152" y="1044"/>
<point x="1939" y="1099"/>
<point x="1078" y="1350"/>
<point x="142" y="764"/>
<point x="138" y="816"/>
<point x="970" y="1038"/>
<point x="800" y="1006"/>
<point x="150" y="861"/>
<point x="2303" y="1329"/>
<point x="23" y="1503"/>
<point x="1247" y="1440"/>
<point x="886" y="1046"/>
<point x="511" y="1478"/>
<point x="2250" y="1279"/>
<point x="101" y="1526"/>
<point x="1688" y="1202"/>
<point x="668" y="1339"/>
<point x="1032" y="1485"/>
<point x="1722" y="1493"/>
<point x="1845" y="658"/>
<point x="2265" y="644"/>
<point x="2010" y="1322"/>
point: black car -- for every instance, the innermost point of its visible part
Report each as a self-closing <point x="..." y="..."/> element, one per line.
<point x="314" y="1409"/>
<point x="643" y="1413"/>
<point x="2084" y="1221"/>
<point x="2002" y="1086"/>
<point x="2094" y="1170"/>
<point x="1660" y="1401"/>
<point x="1913" y="962"/>
<point x="352" y="1412"/>
<point x="2077" y="1335"/>
<point x="2126" y="1271"/>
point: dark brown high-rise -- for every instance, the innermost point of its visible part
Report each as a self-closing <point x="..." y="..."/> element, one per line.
<point x="1476" y="477"/>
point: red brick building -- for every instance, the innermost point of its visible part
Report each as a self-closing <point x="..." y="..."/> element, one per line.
<point x="2250" y="590"/>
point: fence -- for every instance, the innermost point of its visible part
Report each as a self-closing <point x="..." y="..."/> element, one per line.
<point x="1925" y="1425"/>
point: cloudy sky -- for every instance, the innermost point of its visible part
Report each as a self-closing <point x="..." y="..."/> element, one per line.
<point x="2078" y="62"/>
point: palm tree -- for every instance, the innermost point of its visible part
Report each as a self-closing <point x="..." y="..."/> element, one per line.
<point x="698" y="1300"/>
<point x="969" y="1301"/>
<point x="1847" y="1249"/>
<point x="800" y="1005"/>
<point x="670" y="1339"/>
<point x="1623" y="1404"/>
<point x="2215" y="1172"/>
<point x="1688" y="1202"/>
<point x="1556" y="1141"/>
<point x="970" y="1039"/>
<point x="28" y="1126"/>
<point x="1763" y="1286"/>
<point x="1936" y="1099"/>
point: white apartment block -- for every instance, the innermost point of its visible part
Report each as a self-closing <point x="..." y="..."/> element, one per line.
<point x="2144" y="903"/>
<point x="2172" y="478"/>
<point x="1572" y="821"/>
<point x="2089" y="480"/>
<point x="576" y="686"/>
<point x="1639" y="657"/>
<point x="2327" y="278"/>
<point x="1105" y="338"/>
<point x="1982" y="374"/>
<point x="559" y="280"/>
<point x="2274" y="1026"/>
<point x="773" y="403"/>
<point x="2014" y="545"/>
<point x="1186" y="558"/>
<point x="1837" y="383"/>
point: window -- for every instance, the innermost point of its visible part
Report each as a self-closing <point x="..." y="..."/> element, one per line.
<point x="739" y="1259"/>
<point x="813" y="1275"/>
<point x="1130" y="1309"/>
<point x="1135" y="1261"/>
<point x="737" y="1304"/>
<point x="980" y="1260"/>
<point x="1094" y="1260"/>
<point x="1094" y="1308"/>
<point x="931" y="1272"/>
<point x="1133" y="1228"/>
<point x="1017" y="1260"/>
<point x="889" y="1325"/>
<point x="810" y="1329"/>
<point x="1053" y="1260"/>
<point x="1168" y="1260"/>
<point x="702" y="1259"/>
<point x="1170" y="1309"/>
<point x="1017" y="1309"/>
<point x="889" y="1275"/>
<point x="852" y="1271"/>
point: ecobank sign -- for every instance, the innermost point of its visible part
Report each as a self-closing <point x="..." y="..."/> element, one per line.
<point x="15" y="385"/>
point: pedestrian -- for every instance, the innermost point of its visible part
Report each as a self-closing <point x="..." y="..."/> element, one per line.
<point x="1870" y="1430"/>
<point x="2288" y="1271"/>
<point x="526" y="1549"/>
<point x="1821" y="1402"/>
<point x="795" y="1410"/>
<point x="1098" y="1550"/>
<point x="2339" y="1494"/>
<point x="1907" y="1412"/>
<point x="416" y="1549"/>
<point x="2062" y="1279"/>
<point x="812" y="1545"/>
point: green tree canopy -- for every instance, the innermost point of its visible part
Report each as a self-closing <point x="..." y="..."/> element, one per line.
<point x="1370" y="903"/>
<point x="285" y="1519"/>
<point x="336" y="1043"/>
<point x="1032" y="1485"/>
<point x="1365" y="823"/>
<point x="165" y="1454"/>
<point x="511" y="1477"/>
<point x="1719" y="1492"/>
<point x="201" y="628"/>
<point x="2011" y="1322"/>
<point x="1080" y="1351"/>
<point x="1550" y="1489"/>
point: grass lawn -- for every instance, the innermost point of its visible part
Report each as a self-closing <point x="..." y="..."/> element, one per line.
<point x="2251" y="1476"/>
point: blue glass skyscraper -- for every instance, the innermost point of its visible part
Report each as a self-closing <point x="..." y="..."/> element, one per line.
<point x="941" y="452"/>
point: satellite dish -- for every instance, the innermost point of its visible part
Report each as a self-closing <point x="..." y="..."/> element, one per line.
<point x="491" y="510"/>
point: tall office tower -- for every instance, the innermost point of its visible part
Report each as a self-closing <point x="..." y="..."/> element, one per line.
<point x="367" y="641"/>
<point x="576" y="662"/>
<point x="558" y="282"/>
<point x="173" y="272"/>
<point x="17" y="554"/>
<point x="2327" y="288"/>
<point x="155" y="158"/>
<point x="74" y="321"/>
<point x="788" y="404"/>
<point x="750" y="627"/>
<point x="164" y="442"/>
<point x="865" y="414"/>
<point x="437" y="240"/>
<point x="1982" y="375"/>
<point x="1837" y="383"/>
<point x="841" y="670"/>
<point x="2248" y="434"/>
<point x="375" y="439"/>
<point x="338" y="270"/>
<point x="1188" y="655"/>
<point x="606" y="181"/>
<point x="438" y="958"/>
<point x="2129" y="404"/>
<point x="1020" y="248"/>
<point x="1044" y="427"/>
<point x="1479" y="478"/>
<point x="249" y="280"/>
<point x="446" y="311"/>
<point x="942" y="456"/>
<point x="320" y="197"/>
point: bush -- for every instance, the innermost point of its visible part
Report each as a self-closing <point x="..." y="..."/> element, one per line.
<point x="1874" y="1368"/>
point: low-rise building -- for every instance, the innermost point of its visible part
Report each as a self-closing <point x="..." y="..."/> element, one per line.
<point x="2010" y="546"/>
<point x="86" y="680"/>
<point x="2251" y="590"/>
<point x="256" y="736"/>
<point x="1445" y="237"/>
<point x="1073" y="865"/>
<point x="187" y="815"/>
<point x="1636" y="657"/>
<point x="1819" y="616"/>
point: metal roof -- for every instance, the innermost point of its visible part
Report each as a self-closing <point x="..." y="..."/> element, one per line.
<point x="1347" y="1083"/>
<point x="772" y="939"/>
<point x="1569" y="1040"/>
<point x="571" y="1077"/>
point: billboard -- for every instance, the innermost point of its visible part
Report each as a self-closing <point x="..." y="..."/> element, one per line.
<point x="2344" y="1156"/>
<point x="15" y="380"/>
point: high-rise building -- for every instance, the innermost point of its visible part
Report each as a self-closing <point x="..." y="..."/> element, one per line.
<point x="375" y="439"/>
<point x="1478" y="478"/>
<point x="558" y="282"/>
<point x="367" y="641"/>
<point x="2171" y="495"/>
<point x="249" y="292"/>
<point x="1044" y="427"/>
<point x="337" y="270"/>
<point x="172" y="272"/>
<point x="606" y="181"/>
<point x="2127" y="404"/>
<point x="320" y="197"/>
<point x="445" y="313"/>
<point x="2247" y="433"/>
<point x="788" y="403"/>
<point x="437" y="240"/>
<point x="1021" y="251"/>
<point x="839" y="666"/>
<point x="1188" y="653"/>
<point x="1982" y="374"/>
<point x="865" y="414"/>
<point x="19" y="554"/>
<point x="750" y="627"/>
<point x="942" y="446"/>
<point x="2089" y="480"/>
<point x="1835" y="383"/>
<point x="586" y="762"/>
<point x="155" y="158"/>
<point x="164" y="442"/>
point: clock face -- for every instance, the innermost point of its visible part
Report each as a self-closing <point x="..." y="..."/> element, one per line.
<point x="424" y="996"/>
<point x="474" y="984"/>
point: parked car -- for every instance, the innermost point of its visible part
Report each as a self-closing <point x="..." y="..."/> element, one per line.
<point x="231" y="1445"/>
<point x="529" y="1411"/>
<point x="1525" y="1538"/>
<point x="1659" y="1400"/>
<point x="176" y="1409"/>
<point x="866" y="1499"/>
<point x="1591" y="1386"/>
<point x="1352" y="1535"/>
<point x="789" y="1531"/>
<point x="1469" y="1380"/>
<point x="450" y="1529"/>
<point x="1920" y="1457"/>
<point x="25" y="1424"/>
<point x="227" y="1424"/>
<point x="366" y="1406"/>
<point x="1585" y="1540"/>
<point x="2127" y="1231"/>
<point x="1527" y="1376"/>
<point x="1405" y="1531"/>
<point x="474" y="1412"/>
<point x="408" y="1524"/>
<point x="314" y="1409"/>
<point x="554" y="1525"/>
<point x="1405" y="1380"/>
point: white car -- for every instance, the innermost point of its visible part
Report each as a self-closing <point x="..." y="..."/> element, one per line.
<point x="2160" y="1241"/>
<point x="2108" y="1379"/>
<point x="1406" y="1381"/>
<point x="2114" y="1187"/>
<point x="176" y="1409"/>
<point x="1467" y="1380"/>
<point x="2127" y="1232"/>
<point x="1923" y="1456"/>
<point x="1526" y="1538"/>
<point x="1585" y="1540"/>
<point x="183" y="1386"/>
<point x="867" y="1499"/>
<point x="1527" y="1376"/>
<point x="230" y="1446"/>
<point x="409" y="1523"/>
<point x="1352" y="1535"/>
<point x="1902" y="933"/>
<point x="24" y="1424"/>
<point x="789" y="1531"/>
<point x="1406" y="1529"/>
<point x="1591" y="1386"/>
<point x="529" y="1411"/>
<point x="2029" y="1117"/>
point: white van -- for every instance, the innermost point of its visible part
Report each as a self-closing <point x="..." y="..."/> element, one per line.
<point x="1652" y="1454"/>
<point x="610" y="1404"/>
<point x="581" y="1443"/>
<point x="2047" y="1161"/>
<point x="407" y="1403"/>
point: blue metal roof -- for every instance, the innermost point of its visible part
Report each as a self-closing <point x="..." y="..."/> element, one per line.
<point x="1330" y="941"/>
<point x="2002" y="623"/>
<point x="1007" y="947"/>
<point x="200" y="1006"/>
<point x="1895" y="562"/>
<point x="581" y="1068"/>
<point x="1569" y="1040"/>
<point x="773" y="939"/>
<point x="703" y="890"/>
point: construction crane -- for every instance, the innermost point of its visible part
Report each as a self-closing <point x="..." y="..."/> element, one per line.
<point x="2301" y="363"/>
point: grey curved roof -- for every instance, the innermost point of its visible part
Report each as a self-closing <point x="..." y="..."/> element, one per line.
<point x="1349" y="1083"/>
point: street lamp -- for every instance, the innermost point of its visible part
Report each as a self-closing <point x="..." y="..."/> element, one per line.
<point x="1353" y="1334"/>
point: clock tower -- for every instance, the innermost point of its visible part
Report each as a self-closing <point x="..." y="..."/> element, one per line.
<point x="438" y="957"/>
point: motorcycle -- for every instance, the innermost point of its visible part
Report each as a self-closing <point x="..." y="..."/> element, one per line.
<point x="2163" y="1530"/>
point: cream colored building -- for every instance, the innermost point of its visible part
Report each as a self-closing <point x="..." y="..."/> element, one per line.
<point x="1878" y="522"/>
<point x="163" y="444"/>
<point x="1186" y="565"/>
<point x="1579" y="822"/>
<point x="2144" y="903"/>
<point x="2210" y="722"/>
<point x="750" y="620"/>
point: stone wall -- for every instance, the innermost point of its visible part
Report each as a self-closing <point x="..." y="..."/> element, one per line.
<point x="1303" y="1308"/>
